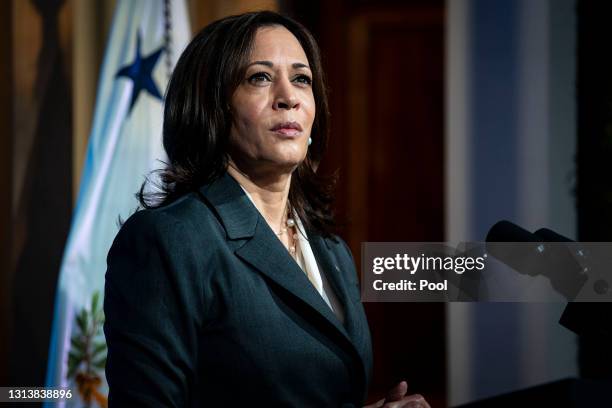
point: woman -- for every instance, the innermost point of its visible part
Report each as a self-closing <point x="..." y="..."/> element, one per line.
<point x="229" y="289"/>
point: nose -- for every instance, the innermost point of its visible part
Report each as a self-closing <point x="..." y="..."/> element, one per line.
<point x="285" y="97"/>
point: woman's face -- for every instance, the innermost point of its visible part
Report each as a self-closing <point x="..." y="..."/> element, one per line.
<point x="273" y="108"/>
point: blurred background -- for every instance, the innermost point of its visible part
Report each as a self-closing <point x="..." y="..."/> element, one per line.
<point x="447" y="116"/>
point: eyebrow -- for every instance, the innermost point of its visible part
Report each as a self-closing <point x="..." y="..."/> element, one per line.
<point x="295" y="65"/>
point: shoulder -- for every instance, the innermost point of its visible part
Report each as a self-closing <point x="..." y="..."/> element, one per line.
<point x="165" y="245"/>
<point x="344" y="256"/>
<point x="339" y="246"/>
<point x="186" y="225"/>
<point x="187" y="215"/>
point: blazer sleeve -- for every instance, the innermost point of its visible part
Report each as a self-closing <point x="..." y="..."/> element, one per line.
<point x="152" y="300"/>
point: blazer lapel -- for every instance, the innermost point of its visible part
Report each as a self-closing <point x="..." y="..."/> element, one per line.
<point x="330" y="266"/>
<point x="266" y="253"/>
<point x="257" y="245"/>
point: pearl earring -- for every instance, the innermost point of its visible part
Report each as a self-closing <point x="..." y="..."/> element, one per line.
<point x="309" y="141"/>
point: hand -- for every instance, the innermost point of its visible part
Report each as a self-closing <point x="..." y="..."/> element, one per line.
<point x="397" y="398"/>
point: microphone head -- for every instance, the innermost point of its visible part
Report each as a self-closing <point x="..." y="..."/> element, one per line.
<point x="551" y="236"/>
<point x="506" y="231"/>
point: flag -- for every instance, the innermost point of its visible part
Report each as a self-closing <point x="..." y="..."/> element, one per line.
<point x="125" y="144"/>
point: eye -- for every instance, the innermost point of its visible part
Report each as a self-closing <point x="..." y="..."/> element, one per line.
<point x="259" y="78"/>
<point x="303" y="79"/>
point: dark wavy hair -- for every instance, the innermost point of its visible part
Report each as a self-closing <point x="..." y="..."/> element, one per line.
<point x="197" y="116"/>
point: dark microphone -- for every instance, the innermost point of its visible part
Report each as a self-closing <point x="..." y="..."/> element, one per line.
<point x="532" y="255"/>
<point x="505" y="231"/>
<point x="551" y="236"/>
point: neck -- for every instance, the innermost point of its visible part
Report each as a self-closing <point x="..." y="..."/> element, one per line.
<point x="269" y="191"/>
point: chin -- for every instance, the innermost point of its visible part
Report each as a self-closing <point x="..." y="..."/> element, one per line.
<point x="290" y="164"/>
<point x="291" y="158"/>
<point x="285" y="164"/>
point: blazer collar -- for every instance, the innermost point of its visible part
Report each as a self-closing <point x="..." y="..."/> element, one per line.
<point x="236" y="212"/>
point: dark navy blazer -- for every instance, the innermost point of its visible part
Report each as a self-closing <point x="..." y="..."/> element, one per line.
<point x="205" y="307"/>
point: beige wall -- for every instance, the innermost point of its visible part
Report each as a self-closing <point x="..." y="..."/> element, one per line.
<point x="35" y="153"/>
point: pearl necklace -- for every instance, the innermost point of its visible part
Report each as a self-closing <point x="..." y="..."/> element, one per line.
<point x="289" y="224"/>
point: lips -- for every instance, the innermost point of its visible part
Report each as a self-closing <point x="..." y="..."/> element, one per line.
<point x="287" y="128"/>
